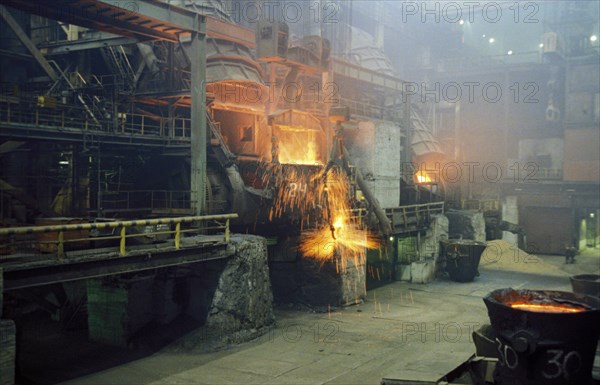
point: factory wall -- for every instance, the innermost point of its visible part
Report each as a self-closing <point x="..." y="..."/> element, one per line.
<point x="582" y="163"/>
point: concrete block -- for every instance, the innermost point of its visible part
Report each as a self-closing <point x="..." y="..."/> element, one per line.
<point x="198" y="299"/>
<point x="7" y="352"/>
<point x="166" y="309"/>
<point x="353" y="283"/>
<point x="285" y="250"/>
<point x="510" y="213"/>
<point x="422" y="271"/>
<point x="403" y="273"/>
<point x="1" y="291"/>
<point x="118" y="309"/>
<point x="430" y="243"/>
<point x="243" y="299"/>
<point x="467" y="224"/>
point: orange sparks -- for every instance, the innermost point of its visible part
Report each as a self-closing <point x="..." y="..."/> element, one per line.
<point x="322" y="203"/>
<point x="337" y="233"/>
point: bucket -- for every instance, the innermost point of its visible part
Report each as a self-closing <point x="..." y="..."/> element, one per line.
<point x="462" y="258"/>
<point x="543" y="337"/>
<point x="586" y="284"/>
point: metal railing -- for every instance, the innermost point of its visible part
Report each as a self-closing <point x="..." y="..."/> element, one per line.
<point x="146" y="199"/>
<point x="176" y="128"/>
<point x="483" y="205"/>
<point x="549" y="173"/>
<point x="403" y="215"/>
<point x="49" y="117"/>
<point x="128" y="123"/>
<point x="358" y="216"/>
<point x="80" y="232"/>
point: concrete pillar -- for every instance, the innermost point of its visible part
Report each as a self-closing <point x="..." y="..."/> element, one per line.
<point x="243" y="300"/>
<point x="1" y="291"/>
<point x="510" y="213"/>
<point x="118" y="309"/>
<point x="353" y="281"/>
<point x="7" y="352"/>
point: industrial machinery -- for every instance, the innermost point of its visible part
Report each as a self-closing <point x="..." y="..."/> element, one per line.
<point x="125" y="105"/>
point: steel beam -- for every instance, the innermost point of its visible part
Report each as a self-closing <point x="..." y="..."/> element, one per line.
<point x="74" y="135"/>
<point x="198" y="115"/>
<point x="12" y="23"/>
<point x="104" y="39"/>
<point x="143" y="19"/>
<point x="64" y="272"/>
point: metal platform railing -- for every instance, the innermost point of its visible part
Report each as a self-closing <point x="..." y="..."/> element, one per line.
<point x="146" y="199"/>
<point x="483" y="205"/>
<point x="413" y="215"/>
<point x="40" y="117"/>
<point x="69" y="118"/>
<point x="54" y="238"/>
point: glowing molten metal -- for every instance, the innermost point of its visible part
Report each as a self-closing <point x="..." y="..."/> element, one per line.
<point x="422" y="177"/>
<point x="547" y="308"/>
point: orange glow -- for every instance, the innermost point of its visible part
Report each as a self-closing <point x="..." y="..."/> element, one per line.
<point x="323" y="204"/>
<point x="337" y="233"/>
<point x="422" y="177"/>
<point x="547" y="308"/>
<point x="298" y="147"/>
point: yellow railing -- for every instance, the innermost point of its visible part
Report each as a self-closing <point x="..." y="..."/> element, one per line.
<point x="70" y="233"/>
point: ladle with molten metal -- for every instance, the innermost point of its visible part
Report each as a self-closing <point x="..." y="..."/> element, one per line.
<point x="543" y="337"/>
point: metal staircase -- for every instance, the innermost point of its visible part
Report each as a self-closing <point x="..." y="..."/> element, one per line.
<point x="64" y="79"/>
<point x="225" y="157"/>
<point x="117" y="61"/>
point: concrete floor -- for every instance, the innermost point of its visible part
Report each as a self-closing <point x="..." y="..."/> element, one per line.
<point x="402" y="330"/>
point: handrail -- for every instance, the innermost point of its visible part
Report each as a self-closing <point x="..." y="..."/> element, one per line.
<point x="131" y="123"/>
<point x="414" y="211"/>
<point x="123" y="225"/>
<point x="420" y="205"/>
<point x="146" y="199"/>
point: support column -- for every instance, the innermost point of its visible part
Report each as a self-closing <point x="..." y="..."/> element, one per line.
<point x="16" y="28"/>
<point x="198" y="114"/>
<point x="7" y="345"/>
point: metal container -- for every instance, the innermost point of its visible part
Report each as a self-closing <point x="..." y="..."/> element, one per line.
<point x="586" y="284"/>
<point x="544" y="347"/>
<point x="462" y="258"/>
